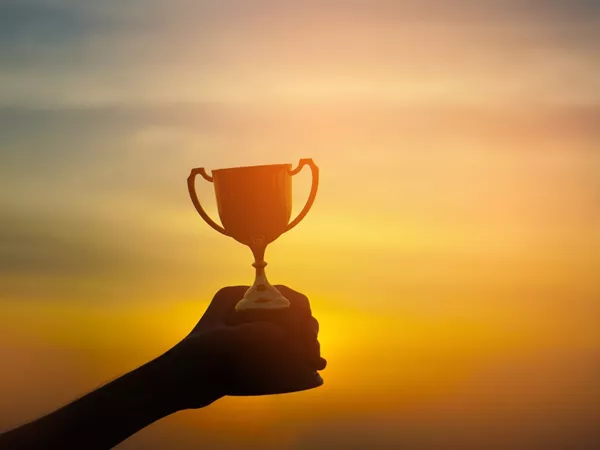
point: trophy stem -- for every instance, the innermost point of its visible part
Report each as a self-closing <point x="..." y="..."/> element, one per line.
<point x="261" y="295"/>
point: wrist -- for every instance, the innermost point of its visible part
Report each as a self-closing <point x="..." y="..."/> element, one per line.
<point x="153" y="390"/>
<point x="188" y="376"/>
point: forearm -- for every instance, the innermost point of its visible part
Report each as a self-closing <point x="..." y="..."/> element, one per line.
<point x="105" y="417"/>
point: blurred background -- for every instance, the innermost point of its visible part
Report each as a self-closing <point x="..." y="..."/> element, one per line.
<point x="452" y="256"/>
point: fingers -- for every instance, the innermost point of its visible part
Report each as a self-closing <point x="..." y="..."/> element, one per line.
<point x="294" y="327"/>
<point x="321" y="364"/>
<point x="313" y="324"/>
<point x="307" y="340"/>
<point x="264" y="360"/>
<point x="253" y="336"/>
<point x="266" y="339"/>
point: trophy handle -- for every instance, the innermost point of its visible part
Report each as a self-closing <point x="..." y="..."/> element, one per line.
<point x="192" y="188"/>
<point x="313" y="190"/>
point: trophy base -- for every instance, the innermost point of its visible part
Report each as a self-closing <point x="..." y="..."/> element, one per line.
<point x="262" y="296"/>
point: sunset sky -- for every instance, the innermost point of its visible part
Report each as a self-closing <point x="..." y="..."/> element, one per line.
<point x="452" y="256"/>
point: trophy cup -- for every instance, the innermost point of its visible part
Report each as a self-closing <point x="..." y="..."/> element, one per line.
<point x="255" y="206"/>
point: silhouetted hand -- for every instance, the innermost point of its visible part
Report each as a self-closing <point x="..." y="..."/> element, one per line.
<point x="252" y="352"/>
<point x="228" y="353"/>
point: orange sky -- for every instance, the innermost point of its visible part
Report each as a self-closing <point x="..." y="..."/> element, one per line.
<point x="451" y="256"/>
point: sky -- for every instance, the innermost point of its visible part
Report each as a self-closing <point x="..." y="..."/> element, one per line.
<point x="451" y="257"/>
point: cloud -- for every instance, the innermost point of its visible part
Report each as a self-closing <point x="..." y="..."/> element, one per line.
<point x="39" y="246"/>
<point x="66" y="53"/>
<point x="44" y="22"/>
<point x="47" y="34"/>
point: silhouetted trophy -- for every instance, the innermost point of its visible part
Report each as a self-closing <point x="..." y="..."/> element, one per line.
<point x="255" y="207"/>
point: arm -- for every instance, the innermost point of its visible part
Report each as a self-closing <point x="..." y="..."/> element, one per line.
<point x="224" y="354"/>
<point x="107" y="416"/>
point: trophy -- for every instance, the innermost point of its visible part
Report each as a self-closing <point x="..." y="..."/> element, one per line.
<point x="255" y="207"/>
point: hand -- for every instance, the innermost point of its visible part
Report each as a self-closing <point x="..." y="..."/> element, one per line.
<point x="252" y="352"/>
<point x="228" y="353"/>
